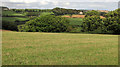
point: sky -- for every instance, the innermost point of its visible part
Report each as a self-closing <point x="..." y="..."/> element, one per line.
<point x="70" y="4"/>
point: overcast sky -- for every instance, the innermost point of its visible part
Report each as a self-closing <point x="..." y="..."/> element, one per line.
<point x="71" y="4"/>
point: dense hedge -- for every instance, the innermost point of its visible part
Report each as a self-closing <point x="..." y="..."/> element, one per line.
<point x="91" y="13"/>
<point x="112" y="22"/>
<point x="47" y="23"/>
<point x="63" y="11"/>
<point x="10" y="25"/>
<point x="93" y="24"/>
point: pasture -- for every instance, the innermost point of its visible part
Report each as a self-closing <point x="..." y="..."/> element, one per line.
<point x="38" y="48"/>
<point x="74" y="16"/>
<point x="12" y="16"/>
<point x="75" y="21"/>
<point x="13" y="19"/>
<point x="11" y="13"/>
<point x="46" y="13"/>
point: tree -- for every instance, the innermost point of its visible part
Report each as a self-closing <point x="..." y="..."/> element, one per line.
<point x="63" y="11"/>
<point x="102" y="13"/>
<point x="91" y="13"/>
<point x="91" y="23"/>
<point x="112" y="22"/>
<point x="47" y="23"/>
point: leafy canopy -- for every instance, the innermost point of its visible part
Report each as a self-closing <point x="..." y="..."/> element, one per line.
<point x="47" y="23"/>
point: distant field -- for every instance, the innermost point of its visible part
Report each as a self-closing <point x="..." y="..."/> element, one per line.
<point x="74" y="16"/>
<point x="78" y="16"/>
<point x="46" y="13"/>
<point x="11" y="13"/>
<point x="75" y="21"/>
<point x="34" y="48"/>
<point x="14" y="18"/>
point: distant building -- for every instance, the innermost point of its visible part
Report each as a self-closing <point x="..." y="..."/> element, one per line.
<point x="81" y="13"/>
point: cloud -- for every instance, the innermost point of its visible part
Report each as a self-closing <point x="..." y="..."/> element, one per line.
<point x="48" y="4"/>
<point x="28" y="1"/>
<point x="25" y="1"/>
<point x="86" y="0"/>
<point x="67" y="3"/>
<point x="55" y="2"/>
<point x="43" y="2"/>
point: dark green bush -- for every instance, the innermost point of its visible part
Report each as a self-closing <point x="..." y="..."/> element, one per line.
<point x="92" y="13"/>
<point x="47" y="23"/>
<point x="10" y="25"/>
<point x="63" y="11"/>
<point x="102" y="13"/>
<point x="110" y="25"/>
<point x="112" y="22"/>
<point x="91" y="23"/>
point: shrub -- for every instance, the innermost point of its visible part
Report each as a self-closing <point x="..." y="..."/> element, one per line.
<point x="102" y="13"/>
<point x="112" y="22"/>
<point x="76" y="30"/>
<point x="92" y="13"/>
<point x="10" y="25"/>
<point x="63" y="11"/>
<point x="47" y="23"/>
<point x="91" y="23"/>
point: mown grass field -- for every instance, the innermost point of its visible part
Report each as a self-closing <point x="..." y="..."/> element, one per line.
<point x="17" y="16"/>
<point x="75" y="21"/>
<point x="11" y="13"/>
<point x="13" y="19"/>
<point x="34" y="48"/>
<point x="46" y="13"/>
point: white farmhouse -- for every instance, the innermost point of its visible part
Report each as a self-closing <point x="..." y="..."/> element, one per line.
<point x="81" y="13"/>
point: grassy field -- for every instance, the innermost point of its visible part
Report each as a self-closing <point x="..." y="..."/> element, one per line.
<point x="46" y="13"/>
<point x="75" y="21"/>
<point x="11" y="13"/>
<point x="12" y="19"/>
<point x="34" y="48"/>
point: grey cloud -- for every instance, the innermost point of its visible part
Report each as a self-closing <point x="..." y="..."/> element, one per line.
<point x="70" y="5"/>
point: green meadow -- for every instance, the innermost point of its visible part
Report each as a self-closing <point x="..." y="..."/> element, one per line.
<point x="11" y="13"/>
<point x="13" y="19"/>
<point x="39" y="48"/>
<point x="75" y="21"/>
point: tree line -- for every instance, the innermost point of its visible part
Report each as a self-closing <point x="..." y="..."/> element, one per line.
<point x="92" y="23"/>
<point x="31" y="10"/>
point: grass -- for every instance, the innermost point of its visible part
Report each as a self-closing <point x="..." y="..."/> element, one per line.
<point x="75" y="21"/>
<point x="12" y="19"/>
<point x="12" y="13"/>
<point x="34" y="48"/>
<point x="46" y="13"/>
<point x="17" y="16"/>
